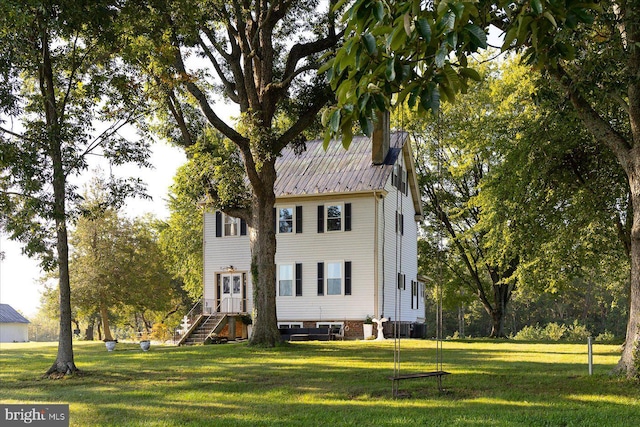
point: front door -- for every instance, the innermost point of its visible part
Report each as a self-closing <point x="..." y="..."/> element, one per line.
<point x="231" y="301"/>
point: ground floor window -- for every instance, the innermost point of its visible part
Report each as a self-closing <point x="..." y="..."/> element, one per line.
<point x="289" y="325"/>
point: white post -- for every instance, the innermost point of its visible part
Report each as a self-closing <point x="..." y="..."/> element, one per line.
<point x="590" y="351"/>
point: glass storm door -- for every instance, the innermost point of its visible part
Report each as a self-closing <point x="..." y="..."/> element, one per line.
<point x="231" y="293"/>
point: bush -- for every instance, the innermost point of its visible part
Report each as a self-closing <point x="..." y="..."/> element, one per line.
<point x="530" y="333"/>
<point x="554" y="332"/>
<point x="606" y="337"/>
<point x="577" y="332"/>
<point x="160" y="332"/>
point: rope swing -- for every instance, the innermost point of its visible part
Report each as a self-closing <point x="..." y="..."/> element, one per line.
<point x="438" y="373"/>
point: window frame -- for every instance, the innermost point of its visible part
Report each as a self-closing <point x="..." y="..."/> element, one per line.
<point x="289" y="325"/>
<point x="236" y="221"/>
<point x="291" y="281"/>
<point x="292" y="209"/>
<point x="327" y="277"/>
<point x="327" y="219"/>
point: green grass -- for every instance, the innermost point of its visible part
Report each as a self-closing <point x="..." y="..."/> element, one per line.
<point x="329" y="383"/>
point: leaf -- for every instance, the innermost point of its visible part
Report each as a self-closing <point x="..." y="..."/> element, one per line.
<point x="441" y="56"/>
<point x="510" y="37"/>
<point x="334" y="121"/>
<point x="470" y="73"/>
<point x="325" y="66"/>
<point x="536" y="6"/>
<point x="370" y="44"/>
<point x="365" y="125"/>
<point x="477" y="35"/>
<point x="378" y="11"/>
<point x="407" y="24"/>
<point x="550" y="18"/>
<point x="424" y="29"/>
<point x="390" y="72"/>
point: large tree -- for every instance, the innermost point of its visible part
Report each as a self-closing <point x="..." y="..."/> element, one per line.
<point x="263" y="56"/>
<point x="58" y="78"/>
<point x="419" y="50"/>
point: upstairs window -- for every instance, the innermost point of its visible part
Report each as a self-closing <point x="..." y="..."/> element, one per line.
<point x="285" y="220"/>
<point x="230" y="226"/>
<point x="334" y="218"/>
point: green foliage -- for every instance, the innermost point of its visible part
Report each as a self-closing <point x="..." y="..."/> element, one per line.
<point x="161" y="332"/>
<point x="606" y="337"/>
<point x="553" y="331"/>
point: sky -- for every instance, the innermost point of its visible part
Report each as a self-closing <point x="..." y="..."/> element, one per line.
<point x="19" y="284"/>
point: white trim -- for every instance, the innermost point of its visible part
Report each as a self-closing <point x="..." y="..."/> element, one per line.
<point x="326" y="217"/>
<point x="293" y="279"/>
<point x="331" y="324"/>
<point x="293" y="219"/>
<point x="236" y="222"/>
<point x="289" y="325"/>
<point x="326" y="277"/>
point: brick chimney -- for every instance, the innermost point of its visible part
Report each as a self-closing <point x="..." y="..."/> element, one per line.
<point x="380" y="138"/>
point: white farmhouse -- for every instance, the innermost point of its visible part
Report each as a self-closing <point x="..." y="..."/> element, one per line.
<point x="346" y="230"/>
<point x="13" y="326"/>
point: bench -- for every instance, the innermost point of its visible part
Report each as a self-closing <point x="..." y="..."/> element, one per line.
<point x="305" y="334"/>
<point x="438" y="374"/>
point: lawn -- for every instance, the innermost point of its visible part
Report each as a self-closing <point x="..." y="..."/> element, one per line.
<point x="327" y="383"/>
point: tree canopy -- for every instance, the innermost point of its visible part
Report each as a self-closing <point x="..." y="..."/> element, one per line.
<point x="418" y="51"/>
<point x="59" y="79"/>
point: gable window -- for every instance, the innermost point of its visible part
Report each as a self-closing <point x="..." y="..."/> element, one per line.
<point x="334" y="278"/>
<point x="285" y="220"/>
<point x="334" y="218"/>
<point x="285" y="280"/>
<point x="230" y="226"/>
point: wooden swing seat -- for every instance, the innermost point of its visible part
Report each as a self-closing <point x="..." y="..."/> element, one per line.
<point x="438" y="374"/>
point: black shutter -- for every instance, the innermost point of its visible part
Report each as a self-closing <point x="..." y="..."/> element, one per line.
<point x="218" y="280"/>
<point x="275" y="220"/>
<point x="298" y="280"/>
<point x="243" y="227"/>
<point x="218" y="224"/>
<point x="413" y="292"/>
<point x="321" y="219"/>
<point x="347" y="217"/>
<point x="321" y="278"/>
<point x="298" y="219"/>
<point x="404" y="282"/>
<point x="347" y="277"/>
<point x="402" y="224"/>
<point x="397" y="222"/>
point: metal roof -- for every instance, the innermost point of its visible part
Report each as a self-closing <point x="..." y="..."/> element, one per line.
<point x="336" y="170"/>
<point x="9" y="315"/>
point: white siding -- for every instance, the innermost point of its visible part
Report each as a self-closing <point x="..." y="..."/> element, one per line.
<point x="400" y="255"/>
<point x="311" y="247"/>
<point x="221" y="252"/>
<point x="14" y="332"/>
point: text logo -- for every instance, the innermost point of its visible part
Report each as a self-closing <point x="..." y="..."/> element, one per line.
<point x="49" y="415"/>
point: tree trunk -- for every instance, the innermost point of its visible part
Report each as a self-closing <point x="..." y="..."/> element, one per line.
<point x="263" y="255"/>
<point x="64" y="363"/>
<point x="104" y="315"/>
<point x="626" y="363"/>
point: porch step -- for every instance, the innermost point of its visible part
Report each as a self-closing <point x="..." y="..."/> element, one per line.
<point x="204" y="326"/>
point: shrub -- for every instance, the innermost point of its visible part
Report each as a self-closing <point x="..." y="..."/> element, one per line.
<point x="577" y="332"/>
<point x="160" y="332"/>
<point x="530" y="333"/>
<point x="606" y="336"/>
<point x="554" y="332"/>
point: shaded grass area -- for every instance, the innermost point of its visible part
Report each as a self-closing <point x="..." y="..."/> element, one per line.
<point x="327" y="383"/>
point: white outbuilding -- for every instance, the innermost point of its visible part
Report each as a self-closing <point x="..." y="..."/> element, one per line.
<point x="13" y="326"/>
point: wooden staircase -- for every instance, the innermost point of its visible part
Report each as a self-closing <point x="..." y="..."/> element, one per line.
<point x="204" y="326"/>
